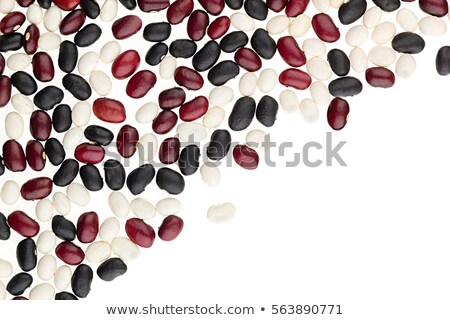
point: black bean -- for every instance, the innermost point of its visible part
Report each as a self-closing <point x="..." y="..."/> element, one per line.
<point x="157" y="31"/>
<point x="408" y="42"/>
<point x="114" y="174"/>
<point x="129" y="4"/>
<point x="339" y="62"/>
<point x="189" y="160"/>
<point x="99" y="135"/>
<point x="90" y="8"/>
<point x="66" y="173"/>
<point x="91" y="178"/>
<point x="443" y="61"/>
<point x="263" y="44"/>
<point x="11" y="42"/>
<point x="387" y="5"/>
<point x="44" y="4"/>
<point x="81" y="280"/>
<point x="88" y="35"/>
<point x="68" y="56"/>
<point x="63" y="228"/>
<point x="219" y="145"/>
<point x="242" y="114"/>
<point x="183" y="48"/>
<point x="111" y="269"/>
<point x="266" y="111"/>
<point x="234" y="4"/>
<point x="5" y="230"/>
<point x="170" y="181"/>
<point x="48" y="97"/>
<point x="233" y="41"/>
<point x="26" y="254"/>
<point x="207" y="56"/>
<point x="54" y="151"/>
<point x="63" y="295"/>
<point x="345" y="86"/>
<point x="222" y="72"/>
<point x="140" y="178"/>
<point x="351" y="11"/>
<point x="24" y="82"/>
<point x="156" y="53"/>
<point x="257" y="9"/>
<point x="19" y="283"/>
<point x="77" y="86"/>
<point x="2" y="166"/>
<point x="62" y="118"/>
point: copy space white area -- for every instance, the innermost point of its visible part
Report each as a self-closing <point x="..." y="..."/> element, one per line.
<point x="372" y="237"/>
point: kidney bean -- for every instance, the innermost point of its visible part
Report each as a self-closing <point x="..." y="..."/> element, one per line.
<point x="197" y="24"/>
<point x="234" y="4"/>
<point x="11" y="22"/>
<point x="112" y="268"/>
<point x="139" y="232"/>
<point x="171" y="98"/>
<point x="266" y="111"/>
<point x="91" y="178"/>
<point x="99" y="135"/>
<point x="54" y="151"/>
<point x="242" y="114"/>
<point x="214" y="7"/>
<point x="291" y="52"/>
<point x="164" y="122"/>
<point x="189" y="160"/>
<point x="170" y="181"/>
<point x="43" y="68"/>
<point x="114" y="174"/>
<point x="89" y="153"/>
<point x="69" y="253"/>
<point x="129" y="4"/>
<point x="325" y="28"/>
<point x="2" y="64"/>
<point x="257" y="9"/>
<point x="23" y="224"/>
<point x="30" y="39"/>
<point x="153" y="5"/>
<point x="206" y="57"/>
<point x="63" y="295"/>
<point x="170" y="228"/>
<point x="156" y="53"/>
<point x="218" y="27"/>
<point x="26" y="254"/>
<point x="295" y="78"/>
<point x="5" y="90"/>
<point x="90" y="8"/>
<point x="77" y="86"/>
<point x="183" y="48"/>
<point x="179" y="10"/>
<point x="87" y="227"/>
<point x="68" y="56"/>
<point x="296" y="7"/>
<point x="5" y="230"/>
<point x="233" y="41"/>
<point x="35" y="155"/>
<point x="88" y="35"/>
<point x="109" y="110"/>
<point x="263" y="44"/>
<point x="81" y="280"/>
<point x="140" y="178"/>
<point x="40" y="125"/>
<point x="246" y="58"/>
<point x="25" y="3"/>
<point x="13" y="156"/>
<point x="10" y="42"/>
<point x="48" y="97"/>
<point x="63" y="228"/>
<point x="339" y="62"/>
<point x="337" y="114"/>
<point x="19" y="283"/>
<point x="438" y="8"/>
<point x="62" y="118"/>
<point x="23" y="82"/>
<point x="194" y="109"/>
<point x="245" y="157"/>
<point x="351" y="11"/>
<point x="345" y="86"/>
<point x="125" y="64"/>
<point x="169" y="150"/>
<point x="127" y="26"/>
<point x="380" y="77"/>
<point x="66" y="173"/>
<point x="219" y="145"/>
<point x="72" y="22"/>
<point x="157" y="31"/>
<point x="222" y="72"/>
<point x="37" y="188"/>
<point x="127" y="140"/>
<point x="67" y="5"/>
<point x="140" y="84"/>
<point x="188" y="78"/>
<point x="408" y="42"/>
<point x="276" y="5"/>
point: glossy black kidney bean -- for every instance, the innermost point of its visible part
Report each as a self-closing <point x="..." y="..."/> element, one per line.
<point x="26" y="254"/>
<point x="233" y="41"/>
<point x="68" y="56"/>
<point x="63" y="228"/>
<point x="114" y="174"/>
<point x="157" y="31"/>
<point x="234" y="4"/>
<point x="66" y="173"/>
<point x="24" y="82"/>
<point x="345" y="86"/>
<point x="242" y="114"/>
<point x="140" y="178"/>
<point x="91" y="178"/>
<point x="44" y="4"/>
<point x="170" y="181"/>
<point x="408" y="42"/>
<point x="183" y="48"/>
<point x="48" y="97"/>
<point x="11" y="42"/>
<point x="219" y="145"/>
<point x="222" y="72"/>
<point x="339" y="62"/>
<point x="5" y="230"/>
<point x="263" y="44"/>
<point x="90" y="8"/>
<point x="88" y="35"/>
<point x="266" y="111"/>
<point x="443" y="61"/>
<point x="99" y="135"/>
<point x="77" y="86"/>
<point x="62" y="118"/>
<point x="64" y="295"/>
<point x="54" y="151"/>
<point x="351" y="11"/>
<point x="129" y="4"/>
<point x="257" y="9"/>
<point x="189" y="160"/>
<point x="387" y="5"/>
<point x="81" y="280"/>
<point x="156" y="53"/>
<point x="207" y="56"/>
<point x="19" y="283"/>
<point x="111" y="269"/>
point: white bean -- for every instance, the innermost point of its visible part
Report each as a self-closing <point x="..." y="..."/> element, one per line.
<point x="147" y="147"/>
<point x="81" y="113"/>
<point x="6" y="6"/>
<point x="110" y="51"/>
<point x="213" y="117"/>
<point x="10" y="192"/>
<point x="382" y="56"/>
<point x="22" y="104"/>
<point x="210" y="174"/>
<point x="278" y="24"/>
<point x="147" y="113"/>
<point x="336" y="3"/>
<point x="34" y="14"/>
<point x="300" y="26"/>
<point x="61" y="203"/>
<point x="371" y="17"/>
<point x="43" y="291"/>
<point x="109" y="229"/>
<point x="52" y="18"/>
<point x="309" y="110"/>
<point x="358" y="59"/>
<point x="118" y="204"/>
<point x="356" y="36"/>
<point x="255" y="139"/>
<point x="191" y="132"/>
<point x="108" y="12"/>
<point x="383" y="33"/>
<point x="289" y="101"/>
<point x="49" y="41"/>
<point x="248" y="84"/>
<point x="142" y="208"/>
<point x="78" y="194"/>
<point x="432" y="26"/>
<point x="322" y="5"/>
<point x="14" y="125"/>
<point x="46" y="267"/>
<point x="221" y="96"/>
<point x="100" y="82"/>
<point x="267" y="80"/>
<point x="44" y="210"/>
<point x="88" y="62"/>
<point x="242" y="21"/>
<point x="72" y="138"/>
<point x="125" y="248"/>
<point x="46" y="242"/>
<point x="319" y="69"/>
<point x="6" y="269"/>
<point x="98" y="251"/>
<point x="319" y="93"/>
<point x="221" y="213"/>
<point x="167" y="67"/>
<point x="168" y="206"/>
<point x="314" y="47"/>
<point x="2" y="288"/>
<point x="407" y="19"/>
<point x="406" y="66"/>
<point x="62" y="278"/>
<point x="18" y="61"/>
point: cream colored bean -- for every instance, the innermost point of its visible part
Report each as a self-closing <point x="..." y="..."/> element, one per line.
<point x="110" y="51"/>
<point x="22" y="104"/>
<point x="44" y="210"/>
<point x="49" y="41"/>
<point x="248" y="84"/>
<point x="314" y="47"/>
<point x="62" y="278"/>
<point x="407" y="19"/>
<point x="147" y="113"/>
<point x="242" y="21"/>
<point x="46" y="242"/>
<point x="321" y="5"/>
<point x="167" y="67"/>
<point x="88" y="62"/>
<point x="432" y="26"/>
<point x="52" y="18"/>
<point x="278" y="24"/>
<point x="221" y="96"/>
<point x="78" y="194"/>
<point x="100" y="82"/>
<point x="109" y="229"/>
<point x="72" y="138"/>
<point x="256" y="139"/>
<point x="10" y="192"/>
<point x="14" y="125"/>
<point x="191" y="132"/>
<point x="210" y="174"/>
<point x="221" y="213"/>
<point x="289" y="101"/>
<point x="406" y="66"/>
<point x="300" y="26"/>
<point x="382" y="56"/>
<point x="2" y="288"/>
<point x="371" y="17"/>
<point x="81" y="113"/>
<point x="43" y="291"/>
<point x="267" y="80"/>
<point x="6" y="6"/>
<point x="356" y="36"/>
<point x="147" y="147"/>
<point x="46" y="267"/>
<point x="358" y="60"/>
<point x="61" y="203"/>
<point x="18" y="61"/>
<point x="6" y="269"/>
<point x="319" y="93"/>
<point x="142" y="209"/>
<point x="125" y="248"/>
<point x="213" y="117"/>
<point x="108" y="12"/>
<point x="34" y="14"/>
<point x="168" y="206"/>
<point x="383" y="33"/>
<point x="309" y="110"/>
<point x="118" y="204"/>
<point x="98" y="251"/>
<point x="319" y="69"/>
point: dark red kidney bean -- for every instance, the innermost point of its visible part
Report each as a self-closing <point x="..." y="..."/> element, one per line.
<point x="99" y="135"/>
<point x="91" y="178"/>
<point x="66" y="173"/>
<point x="183" y="48"/>
<point x="48" y="97"/>
<point x="156" y="53"/>
<point x="125" y="64"/>
<point x="88" y="35"/>
<point x="35" y="155"/>
<point x="40" y="125"/>
<point x="170" y="228"/>
<point x="91" y="8"/>
<point x="245" y="157"/>
<point x="72" y="22"/>
<point x="157" y="31"/>
<point x="219" y="27"/>
<point x="127" y="140"/>
<point x="68" y="56"/>
<point x="408" y="42"/>
<point x="256" y="9"/>
<point x="62" y="118"/>
<point x="345" y="86"/>
<point x="26" y="254"/>
<point x="13" y="156"/>
<point x="44" y="4"/>
<point x="295" y="78"/>
<point x="325" y="28"/>
<point x="153" y="5"/>
<point x="11" y="22"/>
<point x="214" y="7"/>
<point x="194" y="109"/>
<point x="43" y="68"/>
<point x="67" y="5"/>
<point x="443" y="61"/>
<point x="77" y="86"/>
<point x="290" y="51"/>
<point x="339" y="62"/>
<point x="19" y="298"/>
<point x="207" y="56"/>
<point x="387" y="6"/>
<point x="140" y="84"/>
<point x="140" y="178"/>
<point x="64" y="295"/>
<point x="233" y="41"/>
<point x="5" y="90"/>
<point x="222" y="72"/>
<point x="179" y="10"/>
<point x="248" y="59"/>
<point x="139" y="232"/>
<point x="87" y="227"/>
<point x="197" y="24"/>
<point x="23" y="224"/>
<point x="5" y="230"/>
<point x="54" y="151"/>
<point x="296" y="7"/>
<point x="89" y="153"/>
<point x="276" y="5"/>
<point x="10" y="42"/>
<point x="438" y="8"/>
<point x="19" y="283"/>
<point x="188" y="78"/>
<point x="242" y="114"/>
<point x="169" y="150"/>
<point x="189" y="160"/>
<point x="69" y="253"/>
<point x="337" y="113"/>
<point x="219" y="145"/>
<point x="263" y="44"/>
<point x="171" y="98"/>
<point x="37" y="188"/>
<point x="351" y="11"/>
<point x="266" y="111"/>
<point x="380" y="77"/>
<point x="114" y="174"/>
<point x="2" y="64"/>
<point x="24" y="83"/>
<point x="81" y="280"/>
<point x="109" y="110"/>
<point x="129" y="4"/>
<point x="164" y="122"/>
<point x="170" y="181"/>
<point x="25" y="3"/>
<point x="234" y="4"/>
<point x="63" y="228"/>
<point x="127" y="26"/>
<point x="111" y="269"/>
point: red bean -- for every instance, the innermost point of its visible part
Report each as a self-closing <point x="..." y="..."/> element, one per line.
<point x="153" y="5"/>
<point x="5" y="90"/>
<point x="40" y="125"/>
<point x="194" y="109"/>
<point x="2" y="64"/>
<point x="276" y="5"/>
<point x="139" y="232"/>
<point x="325" y="28"/>
<point x="87" y="227"/>
<point x="164" y="122"/>
<point x="179" y="10"/>
<point x="11" y="22"/>
<point x="43" y="68"/>
<point x="67" y="5"/>
<point x="125" y="64"/>
<point x="127" y="26"/>
<point x="35" y="155"/>
<point x="197" y="24"/>
<point x="337" y="114"/>
<point x="214" y="7"/>
<point x="109" y="110"/>
<point x="140" y="84"/>
<point x="438" y="8"/>
<point x="219" y="27"/>
<point x="72" y="22"/>
<point x="170" y="228"/>
<point x="25" y="3"/>
<point x="69" y="253"/>
<point x="245" y="157"/>
<point x="19" y="298"/>
<point x="291" y="52"/>
<point x="248" y="59"/>
<point x="127" y="140"/>
<point x="30" y="39"/>
<point x="23" y="224"/>
<point x="296" y="7"/>
<point x="169" y="151"/>
<point x="295" y="78"/>
<point x="13" y="156"/>
<point x="171" y="98"/>
<point x="380" y="77"/>
<point x="37" y="188"/>
<point x="89" y="153"/>
<point x="188" y="78"/>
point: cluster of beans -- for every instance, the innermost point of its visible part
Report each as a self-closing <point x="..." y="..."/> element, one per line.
<point x="237" y="34"/>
